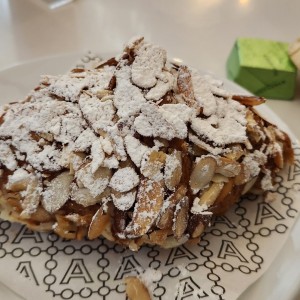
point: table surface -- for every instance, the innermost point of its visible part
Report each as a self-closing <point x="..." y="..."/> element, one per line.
<point x="200" y="32"/>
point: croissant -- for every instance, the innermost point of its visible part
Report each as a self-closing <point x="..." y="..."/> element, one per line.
<point x="140" y="150"/>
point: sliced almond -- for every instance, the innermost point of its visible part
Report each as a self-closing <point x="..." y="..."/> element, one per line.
<point x="98" y="224"/>
<point x="228" y="167"/>
<point x="103" y="93"/>
<point x="173" y="170"/>
<point x="181" y="216"/>
<point x="242" y="177"/>
<point x="7" y="156"/>
<point x="96" y="182"/>
<point x="97" y="155"/>
<point x="278" y="155"/>
<point x="270" y="133"/>
<point x="124" y="180"/>
<point x="107" y="232"/>
<point x="76" y="159"/>
<point x="197" y="151"/>
<point x="219" y="178"/>
<point x="172" y="242"/>
<point x="13" y="201"/>
<point x="210" y="195"/>
<point x="166" y="215"/>
<point x="220" y="207"/>
<point x="135" y="149"/>
<point x="65" y="228"/>
<point x="227" y="188"/>
<point x="133" y="245"/>
<point x="47" y="136"/>
<point x="205" y="146"/>
<point x="41" y="215"/>
<point x="18" y="181"/>
<point x="179" y="145"/>
<point x="185" y="86"/>
<point x="249" y="185"/>
<point x="32" y="198"/>
<point x="198" y="230"/>
<point x="83" y="196"/>
<point x="135" y="289"/>
<point x="152" y="164"/>
<point x="79" y="220"/>
<point x="254" y="130"/>
<point x="123" y="201"/>
<point x="202" y="173"/>
<point x="223" y="197"/>
<point x="235" y="152"/>
<point x="249" y="100"/>
<point x="158" y="236"/>
<point x="149" y="201"/>
<point x="57" y="193"/>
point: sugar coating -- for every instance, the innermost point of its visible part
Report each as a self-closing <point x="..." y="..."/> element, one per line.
<point x="200" y="209"/>
<point x="20" y="175"/>
<point x="124" y="201"/>
<point x="124" y="179"/>
<point x="135" y="149"/>
<point x="7" y="157"/>
<point x="148" y="65"/>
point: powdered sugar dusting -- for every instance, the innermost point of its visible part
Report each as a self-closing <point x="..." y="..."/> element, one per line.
<point x="200" y="209"/>
<point x="164" y="84"/>
<point x="124" y="201"/>
<point x="266" y="182"/>
<point x="7" y="157"/>
<point x="128" y="98"/>
<point x="65" y="86"/>
<point x="253" y="162"/>
<point x="151" y="122"/>
<point x="135" y="149"/>
<point x="20" y="176"/>
<point x="124" y="180"/>
<point x="97" y="155"/>
<point x="84" y="140"/>
<point x="203" y="94"/>
<point x="98" y="114"/>
<point x="95" y="182"/>
<point x="148" y="65"/>
<point x="57" y="192"/>
<point x="225" y="126"/>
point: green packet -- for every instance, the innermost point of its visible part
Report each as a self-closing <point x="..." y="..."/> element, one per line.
<point x="263" y="67"/>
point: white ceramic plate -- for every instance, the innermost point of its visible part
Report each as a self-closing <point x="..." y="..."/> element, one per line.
<point x="281" y="281"/>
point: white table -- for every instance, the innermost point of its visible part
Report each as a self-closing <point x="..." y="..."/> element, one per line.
<point x="201" y="32"/>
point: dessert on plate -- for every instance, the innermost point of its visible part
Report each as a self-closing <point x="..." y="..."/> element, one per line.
<point x="140" y="150"/>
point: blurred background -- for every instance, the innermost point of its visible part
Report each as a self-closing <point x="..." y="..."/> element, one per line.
<point x="200" y="32"/>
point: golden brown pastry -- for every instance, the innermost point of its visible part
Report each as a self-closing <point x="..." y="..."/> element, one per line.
<point x="139" y="150"/>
